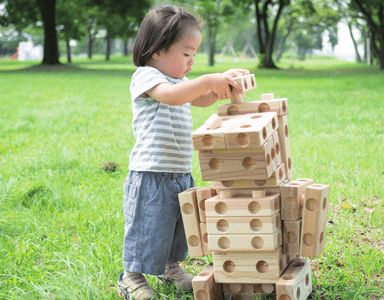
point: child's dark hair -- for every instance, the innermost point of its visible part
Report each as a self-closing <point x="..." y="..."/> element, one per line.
<point x="161" y="27"/>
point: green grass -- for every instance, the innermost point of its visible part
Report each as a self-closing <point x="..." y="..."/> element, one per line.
<point x="61" y="221"/>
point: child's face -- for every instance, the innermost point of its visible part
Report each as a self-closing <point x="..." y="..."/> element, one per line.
<point x="178" y="60"/>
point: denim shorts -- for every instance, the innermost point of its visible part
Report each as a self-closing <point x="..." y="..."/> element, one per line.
<point x="154" y="230"/>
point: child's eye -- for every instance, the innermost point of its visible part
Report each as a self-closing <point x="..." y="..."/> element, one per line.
<point x="187" y="55"/>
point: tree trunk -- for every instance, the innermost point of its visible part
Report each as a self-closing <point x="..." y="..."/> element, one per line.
<point x="68" y="52"/>
<point x="108" y="52"/>
<point x="211" y="46"/>
<point x="90" y="42"/>
<point x="358" y="58"/>
<point x="125" y="48"/>
<point x="51" y="49"/>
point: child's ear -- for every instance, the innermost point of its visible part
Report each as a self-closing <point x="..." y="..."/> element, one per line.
<point x="156" y="55"/>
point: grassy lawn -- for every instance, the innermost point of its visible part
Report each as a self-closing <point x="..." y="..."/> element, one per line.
<point x="61" y="220"/>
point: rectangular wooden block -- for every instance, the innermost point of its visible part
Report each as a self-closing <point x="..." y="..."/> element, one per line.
<point x="291" y="237"/>
<point x="248" y="163"/>
<point x="204" y="138"/>
<point x="246" y="267"/>
<point x="190" y="215"/>
<point x="204" y="239"/>
<point x="315" y="214"/>
<point x="280" y="106"/>
<point x="285" y="148"/>
<point x="203" y="194"/>
<point x="242" y="206"/>
<point x="292" y="199"/>
<point x="296" y="282"/>
<point x="205" y="287"/>
<point x="251" y="130"/>
<point x="239" y="291"/>
<point x="244" y="225"/>
<point x="247" y="243"/>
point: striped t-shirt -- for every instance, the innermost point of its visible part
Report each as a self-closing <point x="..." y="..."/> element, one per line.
<point x="162" y="132"/>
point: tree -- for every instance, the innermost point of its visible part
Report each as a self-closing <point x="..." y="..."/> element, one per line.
<point x="373" y="13"/>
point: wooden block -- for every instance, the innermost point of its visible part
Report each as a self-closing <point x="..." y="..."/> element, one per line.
<point x="204" y="239"/>
<point x="314" y="220"/>
<point x="285" y="148"/>
<point x="204" y="138"/>
<point x="243" y="206"/>
<point x="296" y="282"/>
<point x="236" y="164"/>
<point x="279" y="106"/>
<point x="240" y="291"/>
<point x="247" y="83"/>
<point x="213" y="122"/>
<point x="205" y="287"/>
<point x="247" y="243"/>
<point x="251" y="130"/>
<point x="246" y="267"/>
<point x="267" y="96"/>
<point x="244" y="225"/>
<point x="190" y="215"/>
<point x="203" y="194"/>
<point x="291" y="198"/>
<point x="275" y="145"/>
<point x="291" y="237"/>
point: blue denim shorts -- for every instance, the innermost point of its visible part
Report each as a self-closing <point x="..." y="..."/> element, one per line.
<point x="154" y="230"/>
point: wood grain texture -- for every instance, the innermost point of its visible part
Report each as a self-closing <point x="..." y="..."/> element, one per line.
<point x="291" y="237"/>
<point x="202" y="194"/>
<point x="285" y="148"/>
<point x="205" y="287"/>
<point x="279" y="106"/>
<point x="204" y="239"/>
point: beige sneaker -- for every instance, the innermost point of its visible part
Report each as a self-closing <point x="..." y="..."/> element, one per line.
<point x="181" y="277"/>
<point x="135" y="287"/>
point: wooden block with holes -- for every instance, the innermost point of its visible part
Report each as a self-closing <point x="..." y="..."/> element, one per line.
<point x="279" y="106"/>
<point x="190" y="215"/>
<point x="244" y="225"/>
<point x="285" y="148"/>
<point x="242" y="206"/>
<point x="251" y="130"/>
<point x="245" y="242"/>
<point x="204" y="239"/>
<point x="247" y="83"/>
<point x="205" y="287"/>
<point x="314" y="220"/>
<point x="239" y="291"/>
<point x="292" y="198"/>
<point x="204" y="138"/>
<point x="203" y="194"/>
<point x="275" y="144"/>
<point x="246" y="267"/>
<point x="296" y="282"/>
<point x="291" y="237"/>
<point x="248" y="163"/>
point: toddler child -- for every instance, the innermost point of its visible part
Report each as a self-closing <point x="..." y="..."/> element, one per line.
<point x="161" y="160"/>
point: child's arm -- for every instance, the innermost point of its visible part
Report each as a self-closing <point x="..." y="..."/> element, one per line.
<point x="191" y="90"/>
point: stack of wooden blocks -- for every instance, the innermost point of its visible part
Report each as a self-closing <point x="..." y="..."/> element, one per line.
<point x="255" y="220"/>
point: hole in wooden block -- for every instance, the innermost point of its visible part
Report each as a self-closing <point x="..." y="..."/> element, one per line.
<point x="284" y="297"/>
<point x="290" y="237"/>
<point x="263" y="107"/>
<point x="281" y="174"/>
<point x="267" y="288"/>
<point x="298" y="264"/>
<point x="281" y="265"/>
<point x="221" y="208"/>
<point x="289" y="203"/>
<point x="224" y="243"/>
<point x="289" y="163"/>
<point x="229" y="266"/>
<point x="227" y="183"/>
<point x="193" y="241"/>
<point x="215" y="164"/>
<point x="208" y="141"/>
<point x="205" y="237"/>
<point x="252" y="81"/>
<point x="243" y="139"/>
<point x="262" y="266"/>
<point x="256" y="225"/>
<point x="264" y="133"/>
<point x="277" y="222"/>
<point x="187" y="208"/>
<point x="317" y="185"/>
<point x="286" y="130"/>
<point x="235" y="287"/>
<point x="256" y="117"/>
<point x="277" y="147"/>
<point x="201" y="295"/>
<point x="222" y="225"/>
<point x="249" y="163"/>
<point x="311" y="204"/>
<point x="298" y="293"/>
<point x="232" y="110"/>
<point x="245" y="126"/>
<point x="324" y="203"/>
<point x="204" y="274"/>
<point x="308" y="239"/>
<point x="321" y="237"/>
<point x="245" y="83"/>
<point x="273" y="153"/>
<point x="276" y="204"/>
<point x="288" y="277"/>
<point x="268" y="160"/>
<point x="257" y="243"/>
<point x="260" y="182"/>
<point x="202" y="205"/>
<point x="254" y="207"/>
<point x="307" y="280"/>
<point x="284" y="107"/>
<point x="293" y="183"/>
<point x="273" y="123"/>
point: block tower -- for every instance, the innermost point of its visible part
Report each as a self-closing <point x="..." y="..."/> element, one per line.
<point x="255" y="220"/>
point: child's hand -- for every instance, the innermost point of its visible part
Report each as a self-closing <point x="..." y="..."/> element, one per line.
<point x="236" y="72"/>
<point x="220" y="85"/>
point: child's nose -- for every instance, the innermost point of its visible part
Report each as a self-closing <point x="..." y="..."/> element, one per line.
<point x="191" y="61"/>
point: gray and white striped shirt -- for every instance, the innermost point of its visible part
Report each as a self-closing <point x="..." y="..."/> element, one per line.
<point x="162" y="132"/>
